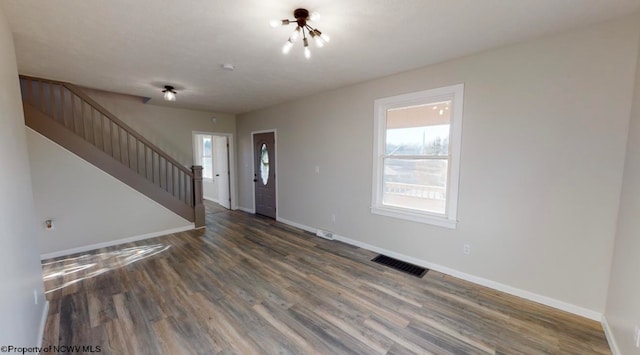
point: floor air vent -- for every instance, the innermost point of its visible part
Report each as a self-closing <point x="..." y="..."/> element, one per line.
<point x="400" y="265"/>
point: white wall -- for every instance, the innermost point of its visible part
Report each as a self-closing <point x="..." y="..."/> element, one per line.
<point x="20" y="271"/>
<point x="543" y="148"/>
<point x="210" y="190"/>
<point x="623" y="302"/>
<point x="87" y="205"/>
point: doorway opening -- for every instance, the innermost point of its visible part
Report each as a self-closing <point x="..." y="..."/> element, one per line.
<point x="213" y="152"/>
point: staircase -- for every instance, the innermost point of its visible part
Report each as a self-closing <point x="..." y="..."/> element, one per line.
<point x="63" y="113"/>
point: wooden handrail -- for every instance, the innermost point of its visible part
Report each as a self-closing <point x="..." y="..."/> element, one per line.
<point x="38" y="121"/>
<point x="75" y="90"/>
<point x="64" y="113"/>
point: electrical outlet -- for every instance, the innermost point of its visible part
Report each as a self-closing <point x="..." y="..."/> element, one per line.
<point x="466" y="249"/>
<point x="333" y="218"/>
<point x="636" y="336"/>
<point x="35" y="296"/>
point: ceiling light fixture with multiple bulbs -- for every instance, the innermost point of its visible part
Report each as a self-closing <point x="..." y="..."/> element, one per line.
<point x="302" y="18"/>
<point x="169" y="93"/>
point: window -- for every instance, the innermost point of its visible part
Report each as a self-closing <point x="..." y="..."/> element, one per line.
<point x="204" y="150"/>
<point x="264" y="164"/>
<point x="207" y="160"/>
<point x="417" y="155"/>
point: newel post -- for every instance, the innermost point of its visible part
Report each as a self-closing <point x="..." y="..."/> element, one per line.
<point x="198" y="206"/>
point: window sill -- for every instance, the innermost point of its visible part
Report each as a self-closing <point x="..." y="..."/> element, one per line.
<point x="415" y="217"/>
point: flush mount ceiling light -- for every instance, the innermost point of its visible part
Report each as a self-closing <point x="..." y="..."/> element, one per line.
<point x="169" y="93"/>
<point x="303" y="28"/>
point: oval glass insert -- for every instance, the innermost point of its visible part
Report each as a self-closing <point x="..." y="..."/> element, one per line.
<point x="264" y="164"/>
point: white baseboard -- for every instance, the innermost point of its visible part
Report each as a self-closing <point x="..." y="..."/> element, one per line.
<point x="615" y="350"/>
<point x="211" y="199"/>
<point x="248" y="210"/>
<point x="110" y="243"/>
<point x="548" y="301"/>
<point x="43" y="323"/>
<point x="587" y="313"/>
<point x="297" y="225"/>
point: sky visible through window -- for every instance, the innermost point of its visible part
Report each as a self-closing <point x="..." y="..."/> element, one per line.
<point x="207" y="158"/>
<point x="416" y="182"/>
<point x="432" y="140"/>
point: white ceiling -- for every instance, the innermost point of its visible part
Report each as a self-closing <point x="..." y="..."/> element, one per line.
<point x="136" y="47"/>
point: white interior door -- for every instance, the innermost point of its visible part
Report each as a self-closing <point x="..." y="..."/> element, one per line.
<point x="221" y="162"/>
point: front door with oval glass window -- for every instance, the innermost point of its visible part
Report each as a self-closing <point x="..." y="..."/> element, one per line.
<point x="265" y="173"/>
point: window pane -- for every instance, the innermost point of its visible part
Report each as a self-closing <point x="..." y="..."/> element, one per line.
<point x="264" y="164"/>
<point x="429" y="140"/>
<point x="207" y="167"/>
<point x="419" y="184"/>
<point x="206" y="146"/>
<point x="419" y="130"/>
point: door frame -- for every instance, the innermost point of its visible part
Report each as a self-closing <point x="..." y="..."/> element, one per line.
<point x="253" y="168"/>
<point x="232" y="162"/>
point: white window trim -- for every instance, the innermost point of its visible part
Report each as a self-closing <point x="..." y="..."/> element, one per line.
<point x="381" y="106"/>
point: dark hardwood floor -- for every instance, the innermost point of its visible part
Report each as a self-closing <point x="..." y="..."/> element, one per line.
<point x="212" y="207"/>
<point x="249" y="285"/>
